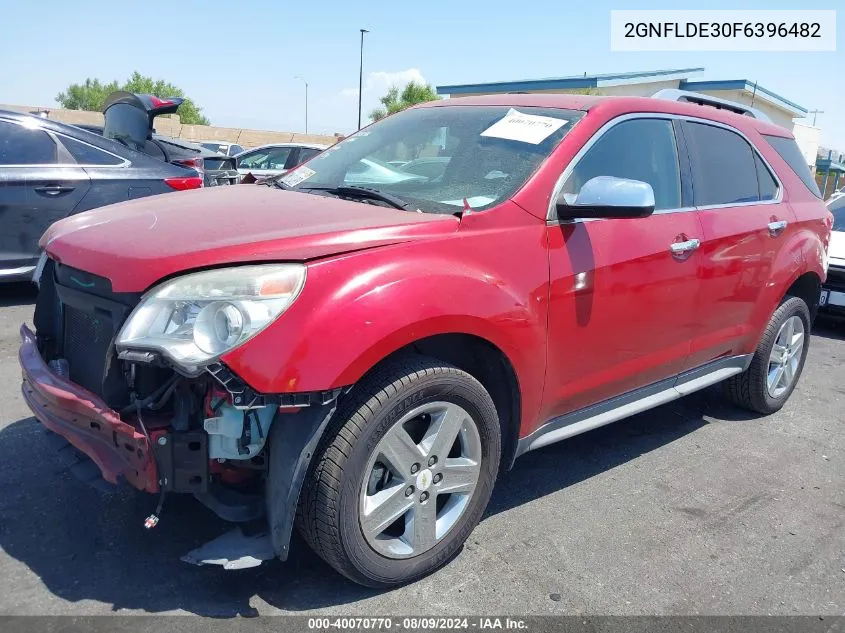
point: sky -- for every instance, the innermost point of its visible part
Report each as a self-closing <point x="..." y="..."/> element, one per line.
<point x="238" y="61"/>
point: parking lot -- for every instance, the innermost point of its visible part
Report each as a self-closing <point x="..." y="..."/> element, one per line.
<point x="695" y="507"/>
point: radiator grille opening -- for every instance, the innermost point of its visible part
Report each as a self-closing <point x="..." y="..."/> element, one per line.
<point x="86" y="342"/>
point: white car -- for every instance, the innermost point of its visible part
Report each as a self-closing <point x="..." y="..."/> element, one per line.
<point x="275" y="159"/>
<point x="833" y="290"/>
<point x="222" y="147"/>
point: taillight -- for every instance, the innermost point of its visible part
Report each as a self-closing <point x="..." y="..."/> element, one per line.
<point x="192" y="163"/>
<point x="181" y="184"/>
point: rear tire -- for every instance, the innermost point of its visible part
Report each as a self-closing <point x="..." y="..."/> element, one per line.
<point x="381" y="521"/>
<point x="771" y="378"/>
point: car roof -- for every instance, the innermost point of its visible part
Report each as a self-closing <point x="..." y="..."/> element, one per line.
<point x="291" y="144"/>
<point x="52" y="125"/>
<point x="611" y="106"/>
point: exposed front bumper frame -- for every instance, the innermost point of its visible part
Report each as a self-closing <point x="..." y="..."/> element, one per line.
<point x="119" y="449"/>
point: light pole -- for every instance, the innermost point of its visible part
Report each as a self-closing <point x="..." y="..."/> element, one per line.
<point x="361" y="76"/>
<point x="306" y="101"/>
<point x="814" y="113"/>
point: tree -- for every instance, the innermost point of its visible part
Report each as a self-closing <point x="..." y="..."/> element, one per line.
<point x="92" y="94"/>
<point x="412" y="94"/>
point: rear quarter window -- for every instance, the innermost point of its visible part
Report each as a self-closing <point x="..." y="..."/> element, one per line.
<point x="85" y="154"/>
<point x="788" y="150"/>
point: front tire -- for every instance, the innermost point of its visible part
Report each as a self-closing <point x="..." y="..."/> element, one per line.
<point x="778" y="361"/>
<point x="403" y="473"/>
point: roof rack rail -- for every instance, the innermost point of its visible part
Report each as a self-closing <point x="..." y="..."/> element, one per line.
<point x="672" y="94"/>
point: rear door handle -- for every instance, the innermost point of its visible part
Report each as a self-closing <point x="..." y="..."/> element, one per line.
<point x="680" y="248"/>
<point x="54" y="190"/>
<point x="777" y="227"/>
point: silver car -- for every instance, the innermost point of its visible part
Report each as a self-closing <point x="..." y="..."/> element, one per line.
<point x="275" y="159"/>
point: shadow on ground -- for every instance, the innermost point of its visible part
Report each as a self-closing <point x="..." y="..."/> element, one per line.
<point x="830" y="327"/>
<point x="86" y="545"/>
<point x="17" y="294"/>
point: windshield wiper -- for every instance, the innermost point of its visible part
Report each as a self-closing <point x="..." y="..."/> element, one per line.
<point x="277" y="182"/>
<point x="353" y="191"/>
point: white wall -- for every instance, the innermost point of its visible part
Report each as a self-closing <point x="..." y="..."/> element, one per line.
<point x="807" y="138"/>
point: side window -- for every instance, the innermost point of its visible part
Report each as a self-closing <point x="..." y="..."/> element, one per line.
<point x="85" y="154"/>
<point x="307" y="153"/>
<point x="278" y="157"/>
<point x="765" y="181"/>
<point x="254" y="160"/>
<point x="641" y="149"/>
<point x="24" y="146"/>
<point x="788" y="150"/>
<point x="723" y="165"/>
<point x="235" y="149"/>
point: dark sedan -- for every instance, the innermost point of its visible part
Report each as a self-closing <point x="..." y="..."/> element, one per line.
<point x="49" y="170"/>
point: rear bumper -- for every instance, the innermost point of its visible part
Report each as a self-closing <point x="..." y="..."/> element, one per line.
<point x="119" y="449"/>
<point x="834" y="287"/>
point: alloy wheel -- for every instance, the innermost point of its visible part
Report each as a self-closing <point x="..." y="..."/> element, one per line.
<point x="785" y="356"/>
<point x="419" y="479"/>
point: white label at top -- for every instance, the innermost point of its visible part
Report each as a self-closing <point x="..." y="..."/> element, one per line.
<point x="723" y="30"/>
<point x="527" y="128"/>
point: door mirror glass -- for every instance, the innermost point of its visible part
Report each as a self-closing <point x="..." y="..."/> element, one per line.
<point x="608" y="197"/>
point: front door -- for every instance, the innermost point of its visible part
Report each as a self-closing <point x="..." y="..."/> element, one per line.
<point x="622" y="295"/>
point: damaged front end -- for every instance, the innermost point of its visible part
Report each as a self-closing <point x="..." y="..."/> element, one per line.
<point x="152" y="411"/>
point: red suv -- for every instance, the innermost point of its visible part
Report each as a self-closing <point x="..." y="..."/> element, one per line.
<point x="358" y="349"/>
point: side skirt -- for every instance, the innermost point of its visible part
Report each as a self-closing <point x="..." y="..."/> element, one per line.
<point x="633" y="402"/>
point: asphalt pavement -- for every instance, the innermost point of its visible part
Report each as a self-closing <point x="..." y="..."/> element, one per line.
<point x="693" y="508"/>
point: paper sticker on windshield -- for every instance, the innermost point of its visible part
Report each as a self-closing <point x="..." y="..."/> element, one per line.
<point x="527" y="128"/>
<point x="297" y="176"/>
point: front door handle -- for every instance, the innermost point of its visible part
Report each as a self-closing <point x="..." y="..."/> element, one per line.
<point x="54" y="190"/>
<point x="681" y="248"/>
<point x="776" y="227"/>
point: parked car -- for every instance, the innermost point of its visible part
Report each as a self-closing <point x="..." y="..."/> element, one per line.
<point x="49" y="170"/>
<point x="227" y="149"/>
<point x="129" y="119"/>
<point x="275" y="159"/>
<point x="361" y="361"/>
<point x="833" y="290"/>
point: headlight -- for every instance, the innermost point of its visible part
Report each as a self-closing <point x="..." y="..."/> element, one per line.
<point x="192" y="320"/>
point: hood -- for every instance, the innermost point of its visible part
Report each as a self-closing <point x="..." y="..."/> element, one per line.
<point x="136" y="243"/>
<point x="836" y="249"/>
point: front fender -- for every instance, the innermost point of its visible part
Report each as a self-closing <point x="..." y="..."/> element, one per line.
<point x="345" y="322"/>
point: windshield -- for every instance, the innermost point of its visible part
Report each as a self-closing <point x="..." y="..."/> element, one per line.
<point x="435" y="158"/>
<point x="127" y="124"/>
<point x="837" y="208"/>
<point x="214" y="147"/>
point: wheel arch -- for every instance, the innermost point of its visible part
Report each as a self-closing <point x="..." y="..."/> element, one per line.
<point x="806" y="287"/>
<point x="484" y="361"/>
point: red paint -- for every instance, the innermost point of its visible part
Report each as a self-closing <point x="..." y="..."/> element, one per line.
<point x="119" y="449"/>
<point x="182" y="184"/>
<point x="158" y="103"/>
<point x="582" y="311"/>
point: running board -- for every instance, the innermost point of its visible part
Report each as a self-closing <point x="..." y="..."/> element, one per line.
<point x="633" y="402"/>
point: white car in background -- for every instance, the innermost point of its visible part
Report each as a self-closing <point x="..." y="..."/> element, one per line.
<point x="222" y="147"/>
<point x="275" y="159"/>
<point x="832" y="299"/>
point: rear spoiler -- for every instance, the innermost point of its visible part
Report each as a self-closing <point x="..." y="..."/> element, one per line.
<point x="672" y="94"/>
<point x="150" y="104"/>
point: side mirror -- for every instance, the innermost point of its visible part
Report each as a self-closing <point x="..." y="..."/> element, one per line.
<point x="608" y="197"/>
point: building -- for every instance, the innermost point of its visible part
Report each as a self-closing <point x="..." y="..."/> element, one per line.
<point x="645" y="83"/>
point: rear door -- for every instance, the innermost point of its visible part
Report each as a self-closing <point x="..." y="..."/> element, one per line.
<point x="39" y="184"/>
<point x="622" y="295"/>
<point x="744" y="227"/>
